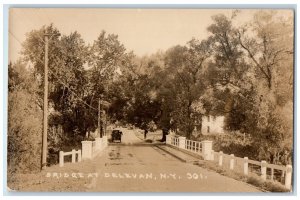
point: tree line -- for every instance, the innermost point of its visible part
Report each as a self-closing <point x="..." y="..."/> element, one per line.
<point x="243" y="72"/>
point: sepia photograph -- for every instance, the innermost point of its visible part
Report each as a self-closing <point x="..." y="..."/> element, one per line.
<point x="161" y="100"/>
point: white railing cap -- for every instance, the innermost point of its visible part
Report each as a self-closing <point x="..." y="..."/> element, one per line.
<point x="86" y="141"/>
<point x="207" y="141"/>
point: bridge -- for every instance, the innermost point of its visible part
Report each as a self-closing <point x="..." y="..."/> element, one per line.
<point x="137" y="166"/>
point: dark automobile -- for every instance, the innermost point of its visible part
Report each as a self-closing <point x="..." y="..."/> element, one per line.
<point x="116" y="135"/>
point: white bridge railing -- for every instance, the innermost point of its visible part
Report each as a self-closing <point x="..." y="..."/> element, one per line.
<point x="174" y="141"/>
<point x="243" y="165"/>
<point x="90" y="149"/>
<point x="203" y="148"/>
<point x="265" y="170"/>
<point x="73" y="153"/>
<point x="193" y="146"/>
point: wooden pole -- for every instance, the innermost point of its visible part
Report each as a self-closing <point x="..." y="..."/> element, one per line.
<point x="99" y="118"/>
<point x="45" y="123"/>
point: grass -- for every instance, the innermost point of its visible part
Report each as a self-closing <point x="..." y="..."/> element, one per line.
<point x="39" y="182"/>
<point x="253" y="179"/>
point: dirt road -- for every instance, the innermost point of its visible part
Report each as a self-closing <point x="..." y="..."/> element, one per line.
<point x="138" y="168"/>
<point x="132" y="166"/>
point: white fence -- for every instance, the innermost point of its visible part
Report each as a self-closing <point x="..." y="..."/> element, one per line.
<point x="90" y="149"/>
<point x="202" y="148"/>
<point x="193" y="146"/>
<point x="175" y="141"/>
<point x="243" y="165"/>
<point x="73" y="153"/>
<point x="262" y="168"/>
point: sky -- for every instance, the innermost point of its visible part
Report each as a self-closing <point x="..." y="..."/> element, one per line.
<point x="144" y="31"/>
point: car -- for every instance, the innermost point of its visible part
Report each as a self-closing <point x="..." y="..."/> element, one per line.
<point x="116" y="135"/>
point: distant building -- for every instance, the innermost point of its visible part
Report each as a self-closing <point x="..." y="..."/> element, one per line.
<point x="212" y="125"/>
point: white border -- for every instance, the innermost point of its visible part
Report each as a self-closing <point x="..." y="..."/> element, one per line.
<point x="135" y="2"/>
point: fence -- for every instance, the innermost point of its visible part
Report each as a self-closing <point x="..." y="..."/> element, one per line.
<point x="73" y="153"/>
<point x="244" y="165"/>
<point x="202" y="148"/>
<point x="193" y="146"/>
<point x="174" y="141"/>
<point x="90" y="149"/>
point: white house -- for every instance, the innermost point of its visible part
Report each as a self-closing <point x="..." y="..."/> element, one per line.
<point x="212" y="125"/>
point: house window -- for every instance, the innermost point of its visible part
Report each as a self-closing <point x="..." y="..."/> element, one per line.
<point x="208" y="118"/>
<point x="208" y="129"/>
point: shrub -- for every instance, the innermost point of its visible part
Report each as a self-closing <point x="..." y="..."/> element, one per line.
<point x="24" y="133"/>
<point x="274" y="187"/>
<point x="256" y="181"/>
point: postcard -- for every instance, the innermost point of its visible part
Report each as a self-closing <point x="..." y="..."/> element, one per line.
<point x="151" y="100"/>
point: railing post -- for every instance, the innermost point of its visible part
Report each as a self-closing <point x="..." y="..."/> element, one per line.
<point x="104" y="141"/>
<point x="220" y="158"/>
<point x="168" y="139"/>
<point x="61" y="158"/>
<point x="98" y="143"/>
<point x="181" y="142"/>
<point x="245" y="165"/>
<point x="73" y="155"/>
<point x="272" y="174"/>
<point x="264" y="170"/>
<point x="79" y="155"/>
<point x="206" y="149"/>
<point x="212" y="155"/>
<point x="288" y="177"/>
<point x="231" y="164"/>
<point x="86" y="150"/>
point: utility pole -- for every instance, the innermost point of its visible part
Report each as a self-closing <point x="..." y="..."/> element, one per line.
<point x="99" y="118"/>
<point x="44" y="144"/>
<point x="45" y="118"/>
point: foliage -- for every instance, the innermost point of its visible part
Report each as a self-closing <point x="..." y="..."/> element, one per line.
<point x="244" y="73"/>
<point x="24" y="121"/>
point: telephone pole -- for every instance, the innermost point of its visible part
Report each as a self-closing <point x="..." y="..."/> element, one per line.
<point x="45" y="117"/>
<point x="44" y="144"/>
<point x="99" y="117"/>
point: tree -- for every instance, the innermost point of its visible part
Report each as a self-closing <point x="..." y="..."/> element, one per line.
<point x="185" y="66"/>
<point x="230" y="76"/>
<point x="69" y="83"/>
<point x="24" y="121"/>
<point x="272" y="42"/>
<point x="270" y="52"/>
<point x="106" y="57"/>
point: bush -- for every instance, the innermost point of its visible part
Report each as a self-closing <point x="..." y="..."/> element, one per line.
<point x="274" y="187"/>
<point x="256" y="181"/>
<point x="24" y="133"/>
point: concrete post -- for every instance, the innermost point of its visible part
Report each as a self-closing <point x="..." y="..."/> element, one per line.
<point x="288" y="177"/>
<point x="102" y="143"/>
<point x="231" y="163"/>
<point x="79" y="155"/>
<point x="86" y="150"/>
<point x="182" y="142"/>
<point x="206" y="149"/>
<point x="73" y="155"/>
<point x="220" y="158"/>
<point x="105" y="140"/>
<point x="212" y="155"/>
<point x="98" y="143"/>
<point x="264" y="170"/>
<point x="168" y="139"/>
<point x="245" y="165"/>
<point x="61" y="158"/>
<point x="272" y="174"/>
